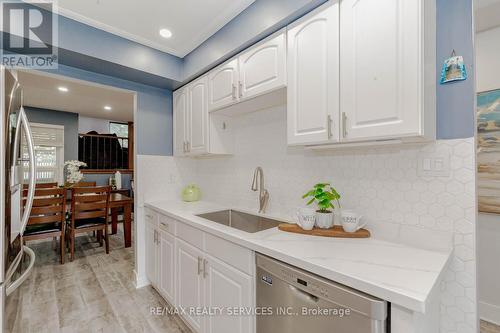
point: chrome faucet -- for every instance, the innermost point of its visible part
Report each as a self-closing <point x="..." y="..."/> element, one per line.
<point x="259" y="185"/>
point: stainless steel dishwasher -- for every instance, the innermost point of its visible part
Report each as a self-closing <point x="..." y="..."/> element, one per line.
<point x="290" y="300"/>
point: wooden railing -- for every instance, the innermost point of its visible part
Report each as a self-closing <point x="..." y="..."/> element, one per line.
<point x="104" y="151"/>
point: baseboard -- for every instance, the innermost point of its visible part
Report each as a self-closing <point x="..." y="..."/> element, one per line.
<point x="141" y="281"/>
<point x="489" y="312"/>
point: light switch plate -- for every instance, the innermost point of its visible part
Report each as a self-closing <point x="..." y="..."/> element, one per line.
<point x="434" y="165"/>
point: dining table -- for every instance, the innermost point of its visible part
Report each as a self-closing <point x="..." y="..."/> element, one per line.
<point x="119" y="202"/>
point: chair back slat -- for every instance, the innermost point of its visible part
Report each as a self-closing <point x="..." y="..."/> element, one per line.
<point x="89" y="202"/>
<point x="42" y="185"/>
<point x="85" y="184"/>
<point x="49" y="206"/>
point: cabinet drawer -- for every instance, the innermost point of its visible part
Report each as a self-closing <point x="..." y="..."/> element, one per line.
<point x="232" y="254"/>
<point x="151" y="217"/>
<point x="189" y="234"/>
<point x="167" y="224"/>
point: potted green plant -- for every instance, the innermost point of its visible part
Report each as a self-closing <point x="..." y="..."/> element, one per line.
<point x="324" y="195"/>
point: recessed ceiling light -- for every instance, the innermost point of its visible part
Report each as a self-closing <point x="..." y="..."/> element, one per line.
<point x="107" y="108"/>
<point x="165" y="33"/>
<point x="63" y="89"/>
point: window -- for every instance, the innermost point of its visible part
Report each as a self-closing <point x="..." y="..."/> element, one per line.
<point x="121" y="131"/>
<point x="49" y="153"/>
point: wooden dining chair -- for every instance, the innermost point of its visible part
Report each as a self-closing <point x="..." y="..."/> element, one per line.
<point x="48" y="217"/>
<point x="42" y="185"/>
<point x="89" y="212"/>
<point x="85" y="184"/>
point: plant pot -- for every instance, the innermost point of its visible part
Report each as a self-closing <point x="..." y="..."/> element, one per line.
<point x="324" y="220"/>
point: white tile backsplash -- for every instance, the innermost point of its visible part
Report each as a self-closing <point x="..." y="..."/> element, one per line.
<point x="382" y="183"/>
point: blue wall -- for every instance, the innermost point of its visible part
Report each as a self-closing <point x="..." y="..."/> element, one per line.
<point x="102" y="179"/>
<point x="153" y="122"/>
<point x="455" y="101"/>
<point x="66" y="119"/>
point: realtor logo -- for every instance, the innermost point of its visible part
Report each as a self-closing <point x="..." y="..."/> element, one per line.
<point x="29" y="34"/>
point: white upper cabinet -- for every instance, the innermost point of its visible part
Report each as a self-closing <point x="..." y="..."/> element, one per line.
<point x="198" y="116"/>
<point x="387" y="69"/>
<point x="263" y="67"/>
<point x="313" y="77"/>
<point x="180" y="127"/>
<point x="223" y="85"/>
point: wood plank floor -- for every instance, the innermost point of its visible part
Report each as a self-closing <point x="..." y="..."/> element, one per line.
<point x="94" y="293"/>
<point x="487" y="327"/>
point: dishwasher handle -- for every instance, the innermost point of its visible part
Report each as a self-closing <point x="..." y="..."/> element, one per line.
<point x="304" y="294"/>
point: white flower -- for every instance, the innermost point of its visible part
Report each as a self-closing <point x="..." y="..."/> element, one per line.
<point x="73" y="171"/>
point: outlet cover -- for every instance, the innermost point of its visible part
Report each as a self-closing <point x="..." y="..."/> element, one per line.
<point x="434" y="165"/>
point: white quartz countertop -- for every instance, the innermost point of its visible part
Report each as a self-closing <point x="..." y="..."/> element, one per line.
<point x="400" y="274"/>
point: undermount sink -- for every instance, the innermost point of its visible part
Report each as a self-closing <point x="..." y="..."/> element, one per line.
<point x="241" y="221"/>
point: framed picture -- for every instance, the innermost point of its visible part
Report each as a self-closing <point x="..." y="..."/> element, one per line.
<point x="488" y="156"/>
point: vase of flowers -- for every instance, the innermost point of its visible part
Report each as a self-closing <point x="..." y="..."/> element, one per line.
<point x="73" y="174"/>
<point x="324" y="195"/>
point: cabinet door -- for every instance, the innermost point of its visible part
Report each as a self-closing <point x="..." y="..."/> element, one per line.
<point x="166" y="265"/>
<point x="227" y="287"/>
<point x="263" y="67"/>
<point x="189" y="284"/>
<point x="198" y="114"/>
<point x="180" y="121"/>
<point x="222" y="85"/>
<point x="151" y="258"/>
<point x="313" y="77"/>
<point x="381" y="68"/>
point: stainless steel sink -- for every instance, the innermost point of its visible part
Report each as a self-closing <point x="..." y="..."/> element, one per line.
<point x="241" y="221"/>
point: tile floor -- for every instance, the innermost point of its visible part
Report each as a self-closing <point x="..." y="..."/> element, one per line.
<point x="94" y="293"/>
<point x="487" y="327"/>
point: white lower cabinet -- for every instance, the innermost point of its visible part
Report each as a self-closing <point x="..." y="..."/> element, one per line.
<point x="192" y="270"/>
<point x="227" y="288"/>
<point x="166" y="266"/>
<point x="190" y="282"/>
<point x="151" y="250"/>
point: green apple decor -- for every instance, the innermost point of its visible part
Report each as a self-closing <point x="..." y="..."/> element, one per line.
<point x="324" y="195"/>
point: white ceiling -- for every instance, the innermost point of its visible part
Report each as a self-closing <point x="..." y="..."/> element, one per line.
<point x="190" y="21"/>
<point x="487" y="14"/>
<point x="87" y="99"/>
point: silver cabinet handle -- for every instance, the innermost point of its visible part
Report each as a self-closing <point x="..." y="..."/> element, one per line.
<point x="164" y="224"/>
<point x="156" y="237"/>
<point x="241" y="89"/>
<point x="205" y="264"/>
<point x="344" y="125"/>
<point x="199" y="265"/>
<point x="329" y="123"/>
<point x="149" y="216"/>
<point x="188" y="144"/>
<point x="234" y="91"/>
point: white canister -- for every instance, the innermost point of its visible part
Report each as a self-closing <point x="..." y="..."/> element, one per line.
<point x="306" y="218"/>
<point x="352" y="221"/>
<point x="324" y="220"/>
<point x="118" y="180"/>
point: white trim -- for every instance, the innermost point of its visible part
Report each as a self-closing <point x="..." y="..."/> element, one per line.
<point x="489" y="312"/>
<point x="140" y="280"/>
<point x="47" y="125"/>
<point x="221" y="20"/>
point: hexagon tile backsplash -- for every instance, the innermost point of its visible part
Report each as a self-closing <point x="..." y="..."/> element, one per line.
<point x="383" y="184"/>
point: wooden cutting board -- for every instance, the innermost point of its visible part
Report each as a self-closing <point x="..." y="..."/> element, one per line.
<point x="336" y="231"/>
